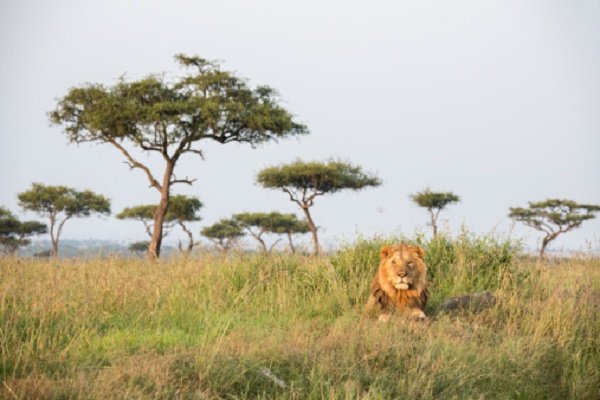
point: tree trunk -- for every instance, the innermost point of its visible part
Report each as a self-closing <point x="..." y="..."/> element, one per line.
<point x="52" y="239"/>
<point x="58" y="233"/>
<point x="159" y="214"/>
<point x="313" y="229"/>
<point x="545" y="242"/>
<point x="54" y="248"/>
<point x="190" y="245"/>
<point x="433" y="222"/>
<point x="292" y="248"/>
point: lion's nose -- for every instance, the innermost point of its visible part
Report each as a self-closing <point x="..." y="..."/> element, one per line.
<point x="402" y="274"/>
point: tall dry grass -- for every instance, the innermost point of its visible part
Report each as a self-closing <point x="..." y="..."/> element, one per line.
<point x="237" y="327"/>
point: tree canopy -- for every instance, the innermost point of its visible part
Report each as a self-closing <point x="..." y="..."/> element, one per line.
<point x="171" y="117"/>
<point x="553" y="217"/>
<point x="224" y="233"/>
<point x="138" y="247"/>
<point x="434" y="202"/>
<point x="259" y="223"/>
<point x="304" y="181"/>
<point x="182" y="209"/>
<point x="61" y="203"/>
<point x="14" y="233"/>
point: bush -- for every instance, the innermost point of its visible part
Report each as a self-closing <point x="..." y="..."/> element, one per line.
<point x="466" y="263"/>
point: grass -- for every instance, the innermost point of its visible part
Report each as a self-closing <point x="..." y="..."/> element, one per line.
<point x="208" y="327"/>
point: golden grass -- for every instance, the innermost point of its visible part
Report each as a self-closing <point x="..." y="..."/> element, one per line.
<point x="206" y="327"/>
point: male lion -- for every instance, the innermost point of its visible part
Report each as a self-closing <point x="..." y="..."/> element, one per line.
<point x="400" y="283"/>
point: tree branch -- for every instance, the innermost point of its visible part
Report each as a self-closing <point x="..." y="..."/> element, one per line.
<point x="186" y="181"/>
<point x="273" y="245"/>
<point x="293" y="196"/>
<point x="136" y="164"/>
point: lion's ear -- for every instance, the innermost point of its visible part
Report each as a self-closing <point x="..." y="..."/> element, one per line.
<point x="419" y="250"/>
<point x="385" y="252"/>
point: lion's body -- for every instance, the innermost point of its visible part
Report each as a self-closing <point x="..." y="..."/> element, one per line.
<point x="400" y="283"/>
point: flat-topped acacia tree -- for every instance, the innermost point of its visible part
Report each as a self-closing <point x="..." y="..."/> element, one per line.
<point x="289" y="225"/>
<point x="304" y="181"/>
<point x="258" y="223"/>
<point x="170" y="118"/>
<point x="224" y="233"/>
<point x="182" y="210"/>
<point x="60" y="204"/>
<point x="14" y="233"/>
<point x="434" y="202"/>
<point x="553" y="217"/>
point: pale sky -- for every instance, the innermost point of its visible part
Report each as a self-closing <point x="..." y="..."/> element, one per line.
<point x="497" y="101"/>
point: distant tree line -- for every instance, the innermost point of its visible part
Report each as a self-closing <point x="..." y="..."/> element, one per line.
<point x="171" y="118"/>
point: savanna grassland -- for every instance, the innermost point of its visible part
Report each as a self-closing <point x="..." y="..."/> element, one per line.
<point x="291" y="326"/>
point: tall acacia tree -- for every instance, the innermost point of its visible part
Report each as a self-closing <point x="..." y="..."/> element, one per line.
<point x="171" y="117"/>
<point x="257" y="224"/>
<point x="182" y="210"/>
<point x="304" y="181"/>
<point x="60" y="204"/>
<point x="14" y="233"/>
<point x="434" y="202"/>
<point x="553" y="217"/>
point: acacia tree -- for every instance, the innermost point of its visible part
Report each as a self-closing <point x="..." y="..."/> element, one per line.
<point x="258" y="224"/>
<point x="60" y="204"/>
<point x="224" y="234"/>
<point x="138" y="247"/>
<point x="145" y="214"/>
<point x="289" y="225"/>
<point x="304" y="181"/>
<point x="182" y="210"/>
<point x="170" y="118"/>
<point x="15" y="233"/>
<point x="553" y="217"/>
<point x="434" y="202"/>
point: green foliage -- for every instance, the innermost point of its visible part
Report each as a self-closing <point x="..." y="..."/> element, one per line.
<point x="434" y="200"/>
<point x="273" y="222"/>
<point x="52" y="200"/>
<point x="141" y="212"/>
<point x="170" y="117"/>
<point x="224" y="233"/>
<point x="181" y="208"/>
<point x="258" y="223"/>
<point x="563" y="214"/>
<point x="139" y="247"/>
<point x="207" y="103"/>
<point x="304" y="181"/>
<point x="14" y="233"/>
<point x="317" y="177"/>
<point x="61" y="203"/>
<point x="554" y="217"/>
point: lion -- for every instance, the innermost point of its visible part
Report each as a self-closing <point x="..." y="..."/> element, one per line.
<point x="400" y="283"/>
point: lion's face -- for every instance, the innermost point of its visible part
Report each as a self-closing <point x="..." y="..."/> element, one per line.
<point x="404" y="267"/>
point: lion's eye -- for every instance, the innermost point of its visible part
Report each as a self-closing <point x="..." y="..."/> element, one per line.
<point x="411" y="264"/>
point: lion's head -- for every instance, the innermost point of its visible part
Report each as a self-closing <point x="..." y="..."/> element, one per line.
<point x="401" y="281"/>
<point x="402" y="267"/>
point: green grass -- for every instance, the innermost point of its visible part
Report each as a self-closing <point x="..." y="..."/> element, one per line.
<point x="206" y="327"/>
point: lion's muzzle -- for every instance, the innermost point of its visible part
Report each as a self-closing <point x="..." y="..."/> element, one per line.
<point x="402" y="282"/>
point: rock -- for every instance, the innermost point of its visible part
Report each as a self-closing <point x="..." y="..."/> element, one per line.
<point x="473" y="301"/>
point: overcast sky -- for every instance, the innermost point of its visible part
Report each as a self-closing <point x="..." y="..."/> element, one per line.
<point x="497" y="101"/>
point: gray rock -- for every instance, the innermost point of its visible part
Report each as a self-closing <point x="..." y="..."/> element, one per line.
<point x="473" y="301"/>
